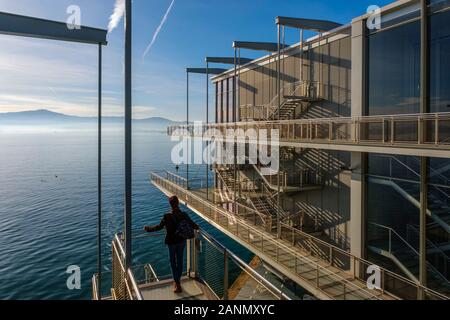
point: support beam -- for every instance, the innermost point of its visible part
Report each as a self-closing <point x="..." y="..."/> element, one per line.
<point x="227" y="60"/>
<point x="358" y="183"/>
<point x="257" y="46"/>
<point x="99" y="177"/>
<point x="424" y="108"/>
<point x="187" y="123"/>
<point x="279" y="118"/>
<point x="128" y="134"/>
<point x="207" y="122"/>
<point x="307" y="24"/>
<point x="210" y="71"/>
<point x="17" y="25"/>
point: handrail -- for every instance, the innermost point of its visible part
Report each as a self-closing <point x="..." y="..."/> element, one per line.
<point x="431" y="243"/>
<point x="434" y="172"/>
<point x="392" y="157"/>
<point x="406" y="117"/>
<point x="273" y="104"/>
<point x="345" y="253"/>
<point x="279" y="244"/>
<point x="280" y="211"/>
<point x="323" y="130"/>
<point x="135" y="286"/>
<point x="264" y="236"/>
<point x="243" y="265"/>
<point x="231" y="255"/>
<point x="231" y="192"/>
<point x="392" y="231"/>
<point x="238" y="205"/>
<point x="128" y="274"/>
<point x="95" y="291"/>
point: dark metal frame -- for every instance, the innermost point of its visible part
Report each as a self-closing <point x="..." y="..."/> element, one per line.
<point x="31" y="27"/>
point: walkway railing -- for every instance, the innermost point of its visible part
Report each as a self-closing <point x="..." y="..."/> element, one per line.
<point x="333" y="272"/>
<point x="430" y="130"/>
<point x="226" y="274"/>
<point x="208" y="262"/>
<point x="124" y="285"/>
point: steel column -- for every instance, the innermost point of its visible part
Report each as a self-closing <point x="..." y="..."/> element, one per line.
<point x="207" y="122"/>
<point x="235" y="105"/>
<point x="300" y="78"/>
<point x="188" y="135"/>
<point x="279" y="118"/>
<point x="99" y="178"/>
<point x="128" y="134"/>
<point x="424" y="108"/>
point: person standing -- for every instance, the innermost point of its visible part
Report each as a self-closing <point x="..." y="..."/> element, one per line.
<point x="176" y="222"/>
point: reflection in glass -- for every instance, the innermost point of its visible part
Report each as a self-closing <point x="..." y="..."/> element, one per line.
<point x="394" y="70"/>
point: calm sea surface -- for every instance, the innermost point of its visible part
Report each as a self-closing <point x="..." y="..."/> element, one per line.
<point x="48" y="208"/>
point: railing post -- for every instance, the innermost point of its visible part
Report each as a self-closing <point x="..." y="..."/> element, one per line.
<point x="420" y="131"/>
<point x="390" y="241"/>
<point x="331" y="256"/>
<point x="345" y="291"/>
<point x="225" y="276"/>
<point x="189" y="257"/>
<point x="436" y="134"/>
<point x="330" y="134"/>
<point x="317" y="277"/>
<point x="392" y="130"/>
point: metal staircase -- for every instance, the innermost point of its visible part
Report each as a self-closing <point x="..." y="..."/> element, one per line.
<point x="303" y="180"/>
<point x="226" y="176"/>
<point x="261" y="204"/>
<point x="393" y="246"/>
<point x="316" y="222"/>
<point x="436" y="254"/>
<point x="438" y="199"/>
<point x="301" y="93"/>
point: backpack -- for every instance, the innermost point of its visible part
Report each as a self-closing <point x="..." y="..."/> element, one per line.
<point x="184" y="229"/>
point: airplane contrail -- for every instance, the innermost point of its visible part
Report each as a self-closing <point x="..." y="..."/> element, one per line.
<point x="114" y="19"/>
<point x="158" y="30"/>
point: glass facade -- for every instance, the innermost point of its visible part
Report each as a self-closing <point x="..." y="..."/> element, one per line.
<point x="440" y="62"/>
<point x="438" y="221"/>
<point x="393" y="182"/>
<point x="224" y="100"/>
<point x="393" y="196"/>
<point x="394" y="70"/>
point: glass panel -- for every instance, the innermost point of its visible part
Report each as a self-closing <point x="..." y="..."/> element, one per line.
<point x="393" y="208"/>
<point x="440" y="64"/>
<point x="394" y="70"/>
<point x="438" y="224"/>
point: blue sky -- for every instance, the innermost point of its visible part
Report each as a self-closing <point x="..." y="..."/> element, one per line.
<point x="42" y="74"/>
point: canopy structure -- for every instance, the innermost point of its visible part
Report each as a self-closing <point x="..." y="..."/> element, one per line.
<point x="227" y="60"/>
<point x="17" y="25"/>
<point x="209" y="71"/>
<point x="307" y="24"/>
<point x="258" y="46"/>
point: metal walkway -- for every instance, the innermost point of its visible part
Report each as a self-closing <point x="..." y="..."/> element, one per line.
<point x="192" y="290"/>
<point x="415" y="134"/>
<point x="325" y="271"/>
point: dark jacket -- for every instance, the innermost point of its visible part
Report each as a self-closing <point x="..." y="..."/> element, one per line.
<point x="170" y="222"/>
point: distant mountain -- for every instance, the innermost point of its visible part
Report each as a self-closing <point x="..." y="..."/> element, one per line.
<point x="46" y="117"/>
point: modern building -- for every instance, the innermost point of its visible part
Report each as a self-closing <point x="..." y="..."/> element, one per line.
<point x="363" y="114"/>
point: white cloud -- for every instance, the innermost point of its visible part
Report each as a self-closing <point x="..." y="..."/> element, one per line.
<point x="158" y="30"/>
<point x="116" y="17"/>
